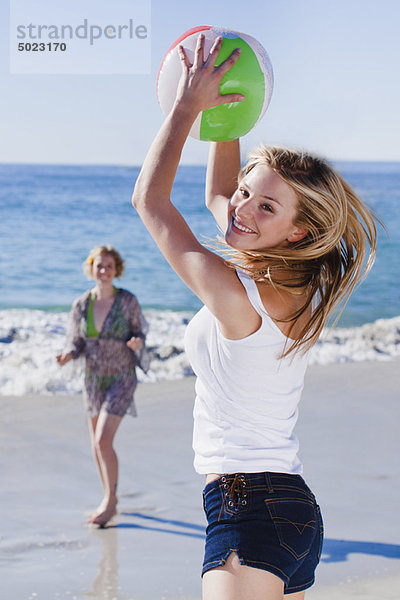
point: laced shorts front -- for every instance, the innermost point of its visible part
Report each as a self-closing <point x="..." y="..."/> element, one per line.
<point x="270" y="520"/>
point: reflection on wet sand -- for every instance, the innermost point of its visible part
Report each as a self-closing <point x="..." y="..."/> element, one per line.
<point x="105" y="585"/>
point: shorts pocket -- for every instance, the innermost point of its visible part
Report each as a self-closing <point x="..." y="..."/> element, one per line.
<point x="295" y="522"/>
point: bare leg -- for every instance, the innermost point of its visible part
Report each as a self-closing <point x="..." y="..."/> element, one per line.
<point x="234" y="581"/>
<point x="92" y="430"/>
<point x="107" y="461"/>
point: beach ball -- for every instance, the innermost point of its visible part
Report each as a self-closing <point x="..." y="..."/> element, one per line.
<point x="251" y="76"/>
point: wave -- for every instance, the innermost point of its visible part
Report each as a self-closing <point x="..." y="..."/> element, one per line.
<point x="30" y="340"/>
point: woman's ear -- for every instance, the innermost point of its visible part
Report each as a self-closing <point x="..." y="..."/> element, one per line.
<point x="297" y="235"/>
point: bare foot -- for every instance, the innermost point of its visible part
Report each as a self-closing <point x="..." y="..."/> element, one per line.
<point x="104" y="513"/>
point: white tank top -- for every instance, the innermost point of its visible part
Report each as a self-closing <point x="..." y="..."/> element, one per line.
<point x="246" y="396"/>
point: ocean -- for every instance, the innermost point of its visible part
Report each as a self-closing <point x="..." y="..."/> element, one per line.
<point x="51" y="216"/>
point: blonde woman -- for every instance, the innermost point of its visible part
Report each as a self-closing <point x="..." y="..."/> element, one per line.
<point x="296" y="240"/>
<point x="108" y="329"/>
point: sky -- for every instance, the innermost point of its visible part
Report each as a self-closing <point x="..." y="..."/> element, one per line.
<point x="337" y="86"/>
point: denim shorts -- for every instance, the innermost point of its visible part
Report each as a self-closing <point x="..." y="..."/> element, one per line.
<point x="270" y="520"/>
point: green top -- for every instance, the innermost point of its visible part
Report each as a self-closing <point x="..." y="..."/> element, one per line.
<point x="91" y="327"/>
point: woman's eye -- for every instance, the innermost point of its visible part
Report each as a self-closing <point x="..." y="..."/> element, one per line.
<point x="244" y="192"/>
<point x="267" y="207"/>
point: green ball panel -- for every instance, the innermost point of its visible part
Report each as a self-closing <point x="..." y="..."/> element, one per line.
<point x="230" y="121"/>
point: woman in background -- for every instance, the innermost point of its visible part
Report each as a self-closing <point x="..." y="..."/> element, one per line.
<point x="108" y="329"/>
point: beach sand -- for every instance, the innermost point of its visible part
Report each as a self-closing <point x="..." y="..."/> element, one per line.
<point x="349" y="441"/>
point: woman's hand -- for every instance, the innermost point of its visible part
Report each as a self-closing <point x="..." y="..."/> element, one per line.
<point x="135" y="343"/>
<point x="63" y="359"/>
<point x="198" y="90"/>
<point x="199" y="85"/>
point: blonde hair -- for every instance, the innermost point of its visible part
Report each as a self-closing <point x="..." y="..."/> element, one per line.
<point x="335" y="255"/>
<point x="102" y="251"/>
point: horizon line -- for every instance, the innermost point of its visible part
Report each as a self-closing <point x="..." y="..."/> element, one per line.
<point x="183" y="164"/>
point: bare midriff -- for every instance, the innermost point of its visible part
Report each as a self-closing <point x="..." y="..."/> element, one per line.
<point x="212" y="477"/>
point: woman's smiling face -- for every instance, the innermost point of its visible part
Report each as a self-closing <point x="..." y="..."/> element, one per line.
<point x="104" y="269"/>
<point x="262" y="211"/>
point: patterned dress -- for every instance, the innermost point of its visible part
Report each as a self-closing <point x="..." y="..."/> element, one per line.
<point x="110" y="366"/>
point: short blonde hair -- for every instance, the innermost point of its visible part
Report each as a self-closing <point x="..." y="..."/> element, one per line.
<point x="338" y="250"/>
<point x="102" y="251"/>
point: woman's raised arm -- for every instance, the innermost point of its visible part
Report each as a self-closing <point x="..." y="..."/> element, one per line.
<point x="222" y="172"/>
<point x="203" y="271"/>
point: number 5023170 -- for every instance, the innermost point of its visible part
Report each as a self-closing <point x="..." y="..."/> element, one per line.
<point x="42" y="47"/>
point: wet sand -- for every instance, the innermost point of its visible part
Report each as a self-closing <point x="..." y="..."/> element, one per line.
<point x="349" y="440"/>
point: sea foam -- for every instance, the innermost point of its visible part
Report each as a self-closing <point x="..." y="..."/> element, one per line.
<point x="30" y="340"/>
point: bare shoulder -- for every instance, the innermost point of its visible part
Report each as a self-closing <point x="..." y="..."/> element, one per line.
<point x="280" y="305"/>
